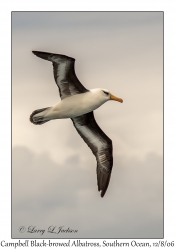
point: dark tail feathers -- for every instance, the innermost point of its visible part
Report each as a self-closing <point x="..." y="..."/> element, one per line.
<point x="40" y="120"/>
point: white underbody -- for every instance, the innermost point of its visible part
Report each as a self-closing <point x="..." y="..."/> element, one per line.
<point x="73" y="106"/>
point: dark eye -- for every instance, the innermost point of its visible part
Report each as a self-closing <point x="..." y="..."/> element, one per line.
<point x="105" y="92"/>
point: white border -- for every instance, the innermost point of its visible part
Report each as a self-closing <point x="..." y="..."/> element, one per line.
<point x="5" y="93"/>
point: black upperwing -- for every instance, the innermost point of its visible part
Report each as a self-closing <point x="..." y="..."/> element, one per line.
<point x="64" y="73"/>
<point x="101" y="146"/>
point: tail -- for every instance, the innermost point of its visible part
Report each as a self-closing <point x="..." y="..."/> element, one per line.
<point x="38" y="119"/>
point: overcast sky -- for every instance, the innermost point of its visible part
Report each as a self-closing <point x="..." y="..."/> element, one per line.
<point x="53" y="170"/>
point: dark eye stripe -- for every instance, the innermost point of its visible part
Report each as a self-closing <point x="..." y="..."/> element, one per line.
<point x="105" y="92"/>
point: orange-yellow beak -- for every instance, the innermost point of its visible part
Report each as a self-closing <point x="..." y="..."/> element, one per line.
<point x="113" y="97"/>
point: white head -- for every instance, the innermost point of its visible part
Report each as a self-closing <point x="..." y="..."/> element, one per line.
<point x="104" y="95"/>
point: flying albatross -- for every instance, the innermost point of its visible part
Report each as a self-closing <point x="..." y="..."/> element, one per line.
<point x="78" y="103"/>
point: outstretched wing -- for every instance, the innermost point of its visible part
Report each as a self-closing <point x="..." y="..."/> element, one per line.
<point x="64" y="73"/>
<point x="101" y="146"/>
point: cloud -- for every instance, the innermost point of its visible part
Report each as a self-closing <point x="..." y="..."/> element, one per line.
<point x="46" y="193"/>
<point x="92" y="20"/>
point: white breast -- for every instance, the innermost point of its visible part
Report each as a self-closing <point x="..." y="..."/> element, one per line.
<point x="76" y="105"/>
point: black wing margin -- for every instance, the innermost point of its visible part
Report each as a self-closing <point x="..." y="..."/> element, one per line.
<point x="64" y="73"/>
<point x="101" y="146"/>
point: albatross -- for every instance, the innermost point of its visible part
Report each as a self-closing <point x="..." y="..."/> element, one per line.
<point x="78" y="103"/>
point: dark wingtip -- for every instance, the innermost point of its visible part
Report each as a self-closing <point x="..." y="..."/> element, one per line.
<point x="103" y="180"/>
<point x="43" y="55"/>
<point x="48" y="55"/>
<point x="35" y="52"/>
<point x="102" y="194"/>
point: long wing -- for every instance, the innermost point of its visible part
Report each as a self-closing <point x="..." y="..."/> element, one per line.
<point x="101" y="146"/>
<point x="64" y="73"/>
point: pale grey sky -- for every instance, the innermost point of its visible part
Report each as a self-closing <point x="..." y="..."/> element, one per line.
<point x="54" y="172"/>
